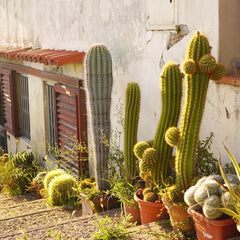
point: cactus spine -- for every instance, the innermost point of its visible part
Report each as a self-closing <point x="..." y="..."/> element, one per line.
<point x="160" y="153"/>
<point x="196" y="84"/>
<point x="99" y="81"/>
<point x="132" y="108"/>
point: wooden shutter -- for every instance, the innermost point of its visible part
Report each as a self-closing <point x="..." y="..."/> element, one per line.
<point x="9" y="101"/>
<point x="71" y="125"/>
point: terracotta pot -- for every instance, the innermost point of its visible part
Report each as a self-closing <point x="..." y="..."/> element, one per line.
<point x="149" y="211"/>
<point x="134" y="213"/>
<point x="179" y="217"/>
<point x="100" y="204"/>
<point x="213" y="229"/>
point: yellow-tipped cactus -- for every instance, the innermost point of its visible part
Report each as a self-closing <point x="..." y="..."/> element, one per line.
<point x="172" y="136"/>
<point x="196" y="85"/>
<point x="139" y="149"/>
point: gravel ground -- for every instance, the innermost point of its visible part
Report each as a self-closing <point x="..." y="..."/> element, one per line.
<point x="31" y="216"/>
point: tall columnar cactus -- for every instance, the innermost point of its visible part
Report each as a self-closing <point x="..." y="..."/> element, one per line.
<point x="198" y="67"/>
<point x="132" y="108"/>
<point x="99" y="81"/>
<point x="155" y="160"/>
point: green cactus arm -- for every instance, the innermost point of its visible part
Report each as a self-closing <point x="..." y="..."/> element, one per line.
<point x="171" y="92"/>
<point x="132" y="108"/>
<point x="172" y="136"/>
<point x="190" y="125"/>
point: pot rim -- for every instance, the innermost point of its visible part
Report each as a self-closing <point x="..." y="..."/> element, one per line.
<point x="217" y="222"/>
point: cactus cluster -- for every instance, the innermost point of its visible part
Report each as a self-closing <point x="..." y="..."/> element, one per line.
<point x="199" y="67"/>
<point x="155" y="154"/>
<point x="132" y="108"/>
<point x="210" y="194"/>
<point x="99" y="81"/>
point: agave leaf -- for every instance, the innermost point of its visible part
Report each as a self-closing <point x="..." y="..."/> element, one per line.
<point x="235" y="196"/>
<point x="230" y="213"/>
<point x="234" y="162"/>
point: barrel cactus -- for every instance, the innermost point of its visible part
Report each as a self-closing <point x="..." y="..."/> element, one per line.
<point x="196" y="84"/>
<point x="157" y="154"/>
<point x="132" y="108"/>
<point x="99" y="81"/>
<point x="62" y="190"/>
<point x="51" y="175"/>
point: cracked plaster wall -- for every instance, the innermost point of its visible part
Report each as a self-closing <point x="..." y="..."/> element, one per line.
<point x="138" y="54"/>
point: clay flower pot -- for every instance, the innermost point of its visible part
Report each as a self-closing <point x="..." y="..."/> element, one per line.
<point x="97" y="205"/>
<point x="134" y="213"/>
<point x="213" y="229"/>
<point x="149" y="211"/>
<point x="179" y="217"/>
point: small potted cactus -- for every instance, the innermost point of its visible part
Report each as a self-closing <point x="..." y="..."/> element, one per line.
<point x="155" y="155"/>
<point x="205" y="200"/>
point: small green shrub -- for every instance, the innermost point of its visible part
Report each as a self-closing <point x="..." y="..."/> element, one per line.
<point x="123" y="190"/>
<point x="50" y="175"/>
<point x="62" y="190"/>
<point x="109" y="229"/>
<point x="18" y="172"/>
<point x="206" y="164"/>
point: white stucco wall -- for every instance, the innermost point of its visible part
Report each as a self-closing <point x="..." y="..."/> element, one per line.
<point x="138" y="54"/>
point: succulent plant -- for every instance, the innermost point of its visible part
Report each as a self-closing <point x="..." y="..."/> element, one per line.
<point x="62" y="190"/>
<point x="155" y="155"/>
<point x="211" y="197"/>
<point x="50" y="175"/>
<point x="99" y="81"/>
<point x="231" y="197"/>
<point x="132" y="108"/>
<point x="196" y="85"/>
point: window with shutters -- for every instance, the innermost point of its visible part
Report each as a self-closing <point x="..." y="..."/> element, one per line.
<point x="71" y="127"/>
<point x="9" y="101"/>
<point x="24" y="106"/>
<point x="161" y="14"/>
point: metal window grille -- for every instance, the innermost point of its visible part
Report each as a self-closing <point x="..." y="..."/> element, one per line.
<point x="51" y="125"/>
<point x="24" y="106"/>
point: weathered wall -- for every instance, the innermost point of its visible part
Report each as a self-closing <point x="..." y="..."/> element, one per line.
<point x="138" y="54"/>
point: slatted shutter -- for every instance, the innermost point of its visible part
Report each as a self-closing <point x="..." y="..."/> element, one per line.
<point x="71" y="125"/>
<point x="9" y="101"/>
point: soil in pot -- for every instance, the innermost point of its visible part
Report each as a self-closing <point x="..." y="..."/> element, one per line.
<point x="206" y="229"/>
<point x="150" y="211"/>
